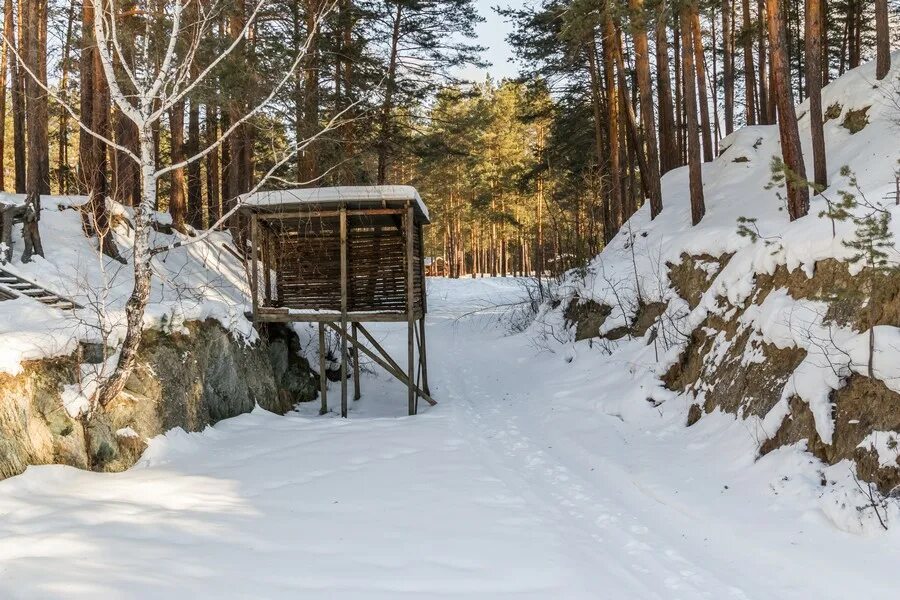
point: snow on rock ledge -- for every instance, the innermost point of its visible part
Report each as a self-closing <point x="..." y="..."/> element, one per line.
<point x="186" y="379"/>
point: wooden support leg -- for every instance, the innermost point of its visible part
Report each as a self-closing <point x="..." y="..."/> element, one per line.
<point x="385" y="362"/>
<point x="411" y="375"/>
<point x="344" y="369"/>
<point x="344" y="305"/>
<point x="356" y="391"/>
<point x="423" y="357"/>
<point x="410" y="306"/>
<point x="323" y="377"/>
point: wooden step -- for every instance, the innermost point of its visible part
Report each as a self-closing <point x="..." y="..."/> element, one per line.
<point x="13" y="286"/>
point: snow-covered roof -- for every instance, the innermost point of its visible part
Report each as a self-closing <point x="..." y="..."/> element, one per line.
<point x="352" y="196"/>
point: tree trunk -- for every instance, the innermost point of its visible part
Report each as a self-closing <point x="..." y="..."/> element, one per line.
<point x="826" y="48"/>
<point x="797" y="191"/>
<point x="728" y="65"/>
<point x="698" y="207"/>
<point x="668" y="143"/>
<point x="63" y="133"/>
<point x="177" y="204"/>
<point x="194" y="184"/>
<point x="765" y="117"/>
<point x="645" y="89"/>
<point x="749" y="69"/>
<point x="128" y="174"/>
<point x="213" y="199"/>
<point x="36" y="122"/>
<point x="140" y="294"/>
<point x="42" y="104"/>
<point x="700" y="67"/>
<point x="8" y="25"/>
<point x="814" y="89"/>
<point x="308" y="161"/>
<point x="679" y="88"/>
<point x="385" y="133"/>
<point x="17" y="76"/>
<point x="612" y="103"/>
<point x="882" y="40"/>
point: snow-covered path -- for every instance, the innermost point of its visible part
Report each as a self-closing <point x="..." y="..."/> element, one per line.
<point x="533" y="478"/>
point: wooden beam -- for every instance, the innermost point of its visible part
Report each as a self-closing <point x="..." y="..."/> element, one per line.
<point x="267" y="266"/>
<point x="323" y="377"/>
<point x="254" y="269"/>
<point x="344" y="312"/>
<point x="357" y="394"/>
<point x="377" y="346"/>
<point x="410" y="302"/>
<point x="398" y="373"/>
<point x="421" y="261"/>
<point x="319" y="214"/>
<point x="423" y="357"/>
<point x="269" y="314"/>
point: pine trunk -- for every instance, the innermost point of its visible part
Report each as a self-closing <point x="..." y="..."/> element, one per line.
<point x="4" y="59"/>
<point x="62" y="173"/>
<point x="213" y="183"/>
<point x="797" y="190"/>
<point x="36" y="123"/>
<point x="749" y="69"/>
<point x="17" y="76"/>
<point x="814" y="89"/>
<point x="177" y="203"/>
<point x="194" y="184"/>
<point x="668" y="142"/>
<point x="882" y="40"/>
<point x="700" y="67"/>
<point x="387" y="107"/>
<point x="698" y="207"/>
<point x="612" y="102"/>
<point x="645" y="89"/>
<point x="765" y="116"/>
<point x="728" y="65"/>
<point x="308" y="159"/>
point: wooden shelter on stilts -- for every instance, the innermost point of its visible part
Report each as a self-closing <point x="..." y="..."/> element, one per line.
<point x="343" y="257"/>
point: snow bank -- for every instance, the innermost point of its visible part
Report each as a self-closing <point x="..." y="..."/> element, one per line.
<point x="634" y="269"/>
<point x="195" y="282"/>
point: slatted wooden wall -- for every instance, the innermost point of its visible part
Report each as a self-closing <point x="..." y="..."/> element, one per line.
<point x="304" y="255"/>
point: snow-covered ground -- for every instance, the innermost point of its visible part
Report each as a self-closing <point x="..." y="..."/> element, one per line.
<point x="539" y="475"/>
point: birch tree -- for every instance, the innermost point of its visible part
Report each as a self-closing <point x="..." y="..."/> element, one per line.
<point x="145" y="90"/>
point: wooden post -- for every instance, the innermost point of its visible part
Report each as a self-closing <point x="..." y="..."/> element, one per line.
<point x="387" y="363"/>
<point x="323" y="378"/>
<point x="254" y="269"/>
<point x="410" y="303"/>
<point x="267" y="266"/>
<point x="356" y="391"/>
<point x="422" y="355"/>
<point x="424" y="299"/>
<point x="343" y="312"/>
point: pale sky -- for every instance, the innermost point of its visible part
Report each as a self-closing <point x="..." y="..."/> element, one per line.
<point x="492" y="34"/>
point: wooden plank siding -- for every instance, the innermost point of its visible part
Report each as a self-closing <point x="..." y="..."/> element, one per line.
<point x="301" y="263"/>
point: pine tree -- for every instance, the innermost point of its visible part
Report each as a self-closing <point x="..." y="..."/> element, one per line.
<point x="798" y="195"/>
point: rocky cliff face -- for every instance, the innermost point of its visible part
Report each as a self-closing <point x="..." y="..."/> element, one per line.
<point x="187" y="379"/>
<point x="726" y="365"/>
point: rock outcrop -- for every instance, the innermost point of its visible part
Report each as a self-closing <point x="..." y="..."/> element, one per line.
<point x="188" y="379"/>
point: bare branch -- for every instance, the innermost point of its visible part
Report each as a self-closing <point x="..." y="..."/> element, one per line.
<point x="332" y="124"/>
<point x="165" y="106"/>
<point x="58" y="99"/>
<point x="247" y="116"/>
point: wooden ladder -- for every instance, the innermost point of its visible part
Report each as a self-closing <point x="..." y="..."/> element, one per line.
<point x="13" y="286"/>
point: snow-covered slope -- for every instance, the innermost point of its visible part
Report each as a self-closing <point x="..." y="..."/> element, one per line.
<point x="195" y="282"/>
<point x="747" y="303"/>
